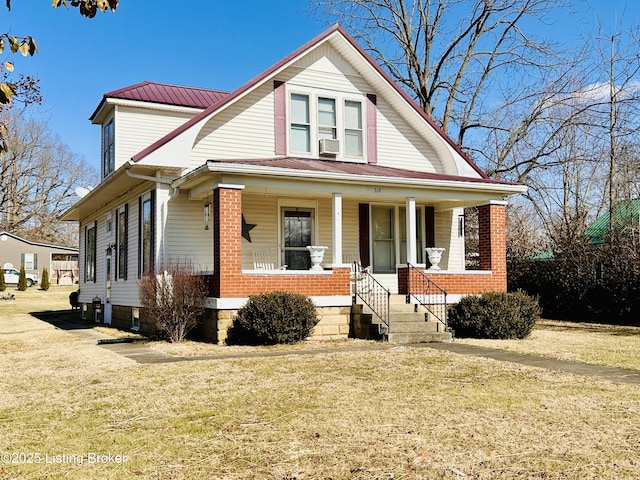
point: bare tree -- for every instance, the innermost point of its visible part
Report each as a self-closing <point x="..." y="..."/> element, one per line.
<point x="173" y="300"/>
<point x="38" y="177"/>
<point x="451" y="54"/>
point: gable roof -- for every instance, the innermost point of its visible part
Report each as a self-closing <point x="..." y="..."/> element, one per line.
<point x="378" y="76"/>
<point x="165" y="94"/>
<point x="38" y="244"/>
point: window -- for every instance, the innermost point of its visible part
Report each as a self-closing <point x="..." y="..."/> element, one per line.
<point x="30" y="261"/>
<point x="121" y="242"/>
<point x="316" y="117"/>
<point x="108" y="225"/>
<point x="147" y="224"/>
<point x="108" y="149"/>
<point x="300" y="126"/>
<point x="90" y="253"/>
<point x="327" y="127"/>
<point x="297" y="234"/>
<point x="353" y="129"/>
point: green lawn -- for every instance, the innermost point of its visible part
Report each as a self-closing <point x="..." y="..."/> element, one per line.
<point x="75" y="410"/>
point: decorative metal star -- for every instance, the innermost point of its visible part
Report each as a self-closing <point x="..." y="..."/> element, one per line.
<point x="246" y="228"/>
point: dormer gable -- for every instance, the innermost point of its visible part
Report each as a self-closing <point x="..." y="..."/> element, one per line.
<point x="311" y="101"/>
<point x="155" y="108"/>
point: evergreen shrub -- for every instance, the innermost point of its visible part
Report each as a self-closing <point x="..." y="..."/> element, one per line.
<point x="273" y="318"/>
<point x="3" y="285"/>
<point x="22" y="280"/>
<point x="44" y="281"/>
<point x="494" y="315"/>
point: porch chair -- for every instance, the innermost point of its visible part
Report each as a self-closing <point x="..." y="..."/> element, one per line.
<point x="358" y="272"/>
<point x="263" y="259"/>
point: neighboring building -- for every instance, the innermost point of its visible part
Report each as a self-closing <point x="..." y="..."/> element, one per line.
<point x="320" y="149"/>
<point x="626" y="223"/>
<point x="60" y="261"/>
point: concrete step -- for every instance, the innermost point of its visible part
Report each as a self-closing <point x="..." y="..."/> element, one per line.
<point x="408" y="338"/>
<point x="415" y="327"/>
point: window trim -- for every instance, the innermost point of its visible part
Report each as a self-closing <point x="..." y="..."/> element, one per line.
<point x="340" y="99"/>
<point x="147" y="197"/>
<point x="90" y="254"/>
<point x="108" y="147"/>
<point x="293" y="204"/>
<point x="122" y="243"/>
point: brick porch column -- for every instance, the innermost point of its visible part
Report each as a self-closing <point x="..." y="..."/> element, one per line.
<point x="227" y="238"/>
<point x="493" y="240"/>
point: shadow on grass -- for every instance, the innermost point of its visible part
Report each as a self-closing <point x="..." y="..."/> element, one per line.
<point x="613" y="330"/>
<point x="63" y="319"/>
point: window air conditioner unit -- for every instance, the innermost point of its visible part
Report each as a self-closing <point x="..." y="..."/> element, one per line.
<point x="329" y="146"/>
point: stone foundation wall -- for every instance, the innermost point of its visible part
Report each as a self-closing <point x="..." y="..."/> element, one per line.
<point x="333" y="324"/>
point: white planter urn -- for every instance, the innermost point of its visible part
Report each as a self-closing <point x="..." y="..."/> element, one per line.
<point x="435" y="255"/>
<point x="317" y="255"/>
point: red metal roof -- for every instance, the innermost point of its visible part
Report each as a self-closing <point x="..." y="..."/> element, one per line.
<point x="352" y="168"/>
<point x="169" y="94"/>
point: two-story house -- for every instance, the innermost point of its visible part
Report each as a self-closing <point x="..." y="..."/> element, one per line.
<point x="321" y="149"/>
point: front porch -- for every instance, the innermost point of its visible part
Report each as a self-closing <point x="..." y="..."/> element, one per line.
<point x="351" y="230"/>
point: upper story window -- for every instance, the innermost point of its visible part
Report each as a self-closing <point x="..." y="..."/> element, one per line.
<point x="108" y="149"/>
<point x="315" y="118"/>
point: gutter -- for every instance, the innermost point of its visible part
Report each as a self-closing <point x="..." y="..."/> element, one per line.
<point x="166" y="181"/>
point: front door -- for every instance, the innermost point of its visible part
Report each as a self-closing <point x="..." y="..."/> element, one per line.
<point x="297" y="233"/>
<point x="107" y="291"/>
<point x="383" y="239"/>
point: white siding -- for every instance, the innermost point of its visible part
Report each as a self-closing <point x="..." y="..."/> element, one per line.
<point x="246" y="129"/>
<point x="187" y="241"/>
<point x="243" y="130"/>
<point x="400" y="146"/>
<point x="263" y="212"/>
<point x="137" y="128"/>
<point x="123" y="292"/>
<point x="447" y="237"/>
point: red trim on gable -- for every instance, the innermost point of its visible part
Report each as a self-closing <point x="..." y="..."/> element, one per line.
<point x="307" y="46"/>
<point x="233" y="95"/>
<point x="280" y="117"/>
<point x="372" y="128"/>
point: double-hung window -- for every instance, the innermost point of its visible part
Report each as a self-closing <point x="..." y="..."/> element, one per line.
<point x="108" y="149"/>
<point x="121" y="242"/>
<point x="327" y="126"/>
<point x="353" y="136"/>
<point x="146" y="234"/>
<point x="90" y="253"/>
<point x="314" y="116"/>
<point x="300" y="124"/>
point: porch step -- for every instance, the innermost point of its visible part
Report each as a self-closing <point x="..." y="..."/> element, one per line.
<point x="406" y="325"/>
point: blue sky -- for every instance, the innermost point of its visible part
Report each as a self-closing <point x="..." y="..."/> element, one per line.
<point x="199" y="43"/>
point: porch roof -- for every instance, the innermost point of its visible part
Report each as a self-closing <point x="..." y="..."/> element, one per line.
<point x="290" y="174"/>
<point x="280" y="172"/>
<point x="355" y="168"/>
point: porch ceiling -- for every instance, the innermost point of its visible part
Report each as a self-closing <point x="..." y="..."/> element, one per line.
<point x="299" y="176"/>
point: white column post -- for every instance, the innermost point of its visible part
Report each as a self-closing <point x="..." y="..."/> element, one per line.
<point x="412" y="252"/>
<point x="337" y="229"/>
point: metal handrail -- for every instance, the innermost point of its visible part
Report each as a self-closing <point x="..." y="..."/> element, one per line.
<point x="373" y="294"/>
<point x="427" y="294"/>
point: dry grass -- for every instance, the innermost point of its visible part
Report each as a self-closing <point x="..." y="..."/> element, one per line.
<point x="403" y="413"/>
<point x="583" y="342"/>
